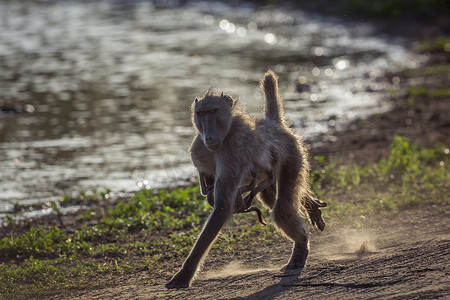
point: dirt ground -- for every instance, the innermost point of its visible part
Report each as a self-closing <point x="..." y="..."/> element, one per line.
<point x="405" y="257"/>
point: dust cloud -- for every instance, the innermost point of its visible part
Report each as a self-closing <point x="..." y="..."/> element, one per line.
<point x="234" y="268"/>
<point x="346" y="242"/>
<point x="359" y="241"/>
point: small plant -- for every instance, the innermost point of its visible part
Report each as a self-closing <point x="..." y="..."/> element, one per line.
<point x="440" y="43"/>
<point x="422" y="91"/>
<point x="408" y="160"/>
<point x="87" y="197"/>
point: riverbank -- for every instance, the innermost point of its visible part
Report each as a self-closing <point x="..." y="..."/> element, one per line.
<point x="384" y="177"/>
<point x="419" y="111"/>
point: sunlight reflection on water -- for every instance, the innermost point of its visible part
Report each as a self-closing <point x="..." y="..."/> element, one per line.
<point x="107" y="85"/>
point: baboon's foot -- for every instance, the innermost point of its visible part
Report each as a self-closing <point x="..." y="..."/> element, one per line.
<point x="179" y="281"/>
<point x="315" y="216"/>
<point x="313" y="206"/>
<point x="298" y="257"/>
<point x="293" y="268"/>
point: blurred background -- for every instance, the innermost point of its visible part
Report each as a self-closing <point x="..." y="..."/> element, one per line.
<point x="96" y="94"/>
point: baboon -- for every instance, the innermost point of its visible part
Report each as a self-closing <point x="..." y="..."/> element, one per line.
<point x="229" y="148"/>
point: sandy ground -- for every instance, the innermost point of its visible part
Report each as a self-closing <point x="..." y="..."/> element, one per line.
<point x="407" y="257"/>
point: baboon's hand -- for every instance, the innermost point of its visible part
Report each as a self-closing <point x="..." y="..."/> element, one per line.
<point x="210" y="195"/>
<point x="239" y="205"/>
<point x="180" y="280"/>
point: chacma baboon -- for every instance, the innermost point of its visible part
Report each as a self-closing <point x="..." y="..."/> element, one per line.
<point x="227" y="150"/>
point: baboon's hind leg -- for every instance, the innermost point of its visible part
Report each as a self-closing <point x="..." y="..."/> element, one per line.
<point x="269" y="195"/>
<point x="288" y="219"/>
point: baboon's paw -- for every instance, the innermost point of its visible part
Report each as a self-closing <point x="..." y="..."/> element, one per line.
<point x="315" y="215"/>
<point x="292" y="269"/>
<point x="177" y="285"/>
<point x="316" y="219"/>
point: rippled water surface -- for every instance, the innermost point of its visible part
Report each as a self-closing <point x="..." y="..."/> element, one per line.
<point x="97" y="94"/>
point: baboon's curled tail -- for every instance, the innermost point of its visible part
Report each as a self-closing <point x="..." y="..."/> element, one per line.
<point x="273" y="105"/>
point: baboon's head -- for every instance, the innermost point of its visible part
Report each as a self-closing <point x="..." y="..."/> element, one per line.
<point x="212" y="116"/>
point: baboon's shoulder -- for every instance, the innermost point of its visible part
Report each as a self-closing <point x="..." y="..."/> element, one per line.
<point x="202" y="158"/>
<point x="196" y="145"/>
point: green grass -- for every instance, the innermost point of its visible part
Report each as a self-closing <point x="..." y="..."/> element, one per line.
<point x="87" y="197"/>
<point x="151" y="229"/>
<point x="435" y="93"/>
<point x="39" y="242"/>
<point x="42" y="277"/>
<point x="440" y="43"/>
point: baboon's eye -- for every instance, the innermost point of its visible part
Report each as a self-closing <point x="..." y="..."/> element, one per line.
<point x="205" y="112"/>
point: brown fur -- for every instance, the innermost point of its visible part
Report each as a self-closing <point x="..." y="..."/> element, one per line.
<point x="228" y="148"/>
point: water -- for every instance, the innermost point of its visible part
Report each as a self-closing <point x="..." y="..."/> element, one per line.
<point x="97" y="94"/>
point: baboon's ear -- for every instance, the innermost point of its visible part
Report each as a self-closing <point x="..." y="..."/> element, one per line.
<point x="196" y="100"/>
<point x="229" y="100"/>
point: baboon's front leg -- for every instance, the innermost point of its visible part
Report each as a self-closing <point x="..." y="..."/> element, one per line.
<point x="225" y="193"/>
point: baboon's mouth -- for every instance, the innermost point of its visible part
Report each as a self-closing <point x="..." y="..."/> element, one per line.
<point x="213" y="146"/>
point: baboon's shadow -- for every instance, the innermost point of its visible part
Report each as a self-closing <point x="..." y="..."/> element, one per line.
<point x="286" y="281"/>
